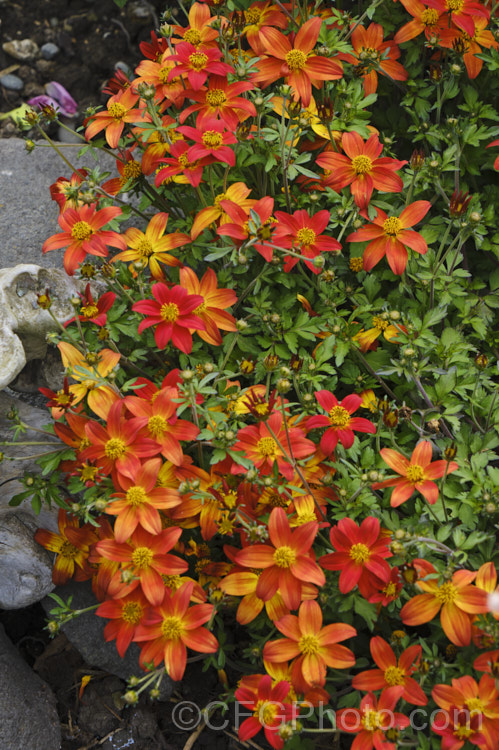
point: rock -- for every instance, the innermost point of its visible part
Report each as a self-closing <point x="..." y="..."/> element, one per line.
<point x="11" y="82"/>
<point x="49" y="51"/>
<point x="28" y="716"/>
<point x="21" y="49"/>
<point x="86" y="633"/>
<point x="25" y="567"/>
<point x="23" y="323"/>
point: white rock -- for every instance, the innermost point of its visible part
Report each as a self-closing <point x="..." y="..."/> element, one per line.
<point x="25" y="567"/>
<point x="21" y="49"/>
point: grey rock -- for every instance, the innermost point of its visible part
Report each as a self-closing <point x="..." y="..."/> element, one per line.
<point x="49" y="51"/>
<point x="86" y="633"/>
<point x="25" y="567"/>
<point x="21" y="49"/>
<point x="28" y="716"/>
<point x="11" y="82"/>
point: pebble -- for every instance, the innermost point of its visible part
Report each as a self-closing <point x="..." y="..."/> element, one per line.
<point x="21" y="49"/>
<point x="49" y="51"/>
<point x="11" y="82"/>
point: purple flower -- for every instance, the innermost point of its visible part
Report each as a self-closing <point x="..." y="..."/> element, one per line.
<point x="56" y="97"/>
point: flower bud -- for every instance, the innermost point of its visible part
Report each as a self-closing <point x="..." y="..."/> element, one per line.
<point x="131" y="697"/>
<point x="241" y="325"/>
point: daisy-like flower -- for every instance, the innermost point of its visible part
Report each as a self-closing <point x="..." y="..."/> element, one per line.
<point x="313" y="647"/>
<point x="71" y="546"/>
<point x="66" y="192"/>
<point x="157" y="73"/>
<point x="172" y="312"/>
<point x="152" y="246"/>
<point x="392" y="671"/>
<point x="476" y="700"/>
<point x="270" y="711"/>
<point x="198" y="63"/>
<point x="241" y="228"/>
<point x="374" y="720"/>
<point x="261" y="14"/>
<point x="361" y="553"/>
<point x="295" y="61"/>
<point x="470" y="45"/>
<point x="90" y="372"/>
<point x="391" y="236"/>
<point x="92" y="311"/>
<point x="125" y="615"/>
<point x="373" y="55"/>
<point x="456" y="599"/>
<point x="426" y="20"/>
<point x="236" y="193"/>
<point x="462" y="12"/>
<point x="210" y="142"/>
<point x="220" y="102"/>
<point x="121" y="109"/>
<point x="339" y="422"/>
<point x="286" y="561"/>
<point x="303" y="234"/>
<point x="264" y="446"/>
<point x="179" y="167"/>
<point x="361" y="168"/>
<point x="212" y="309"/>
<point x="380" y="327"/>
<point x="416" y="474"/>
<point x="199" y="31"/>
<point x="83" y="234"/>
<point x="169" y="629"/>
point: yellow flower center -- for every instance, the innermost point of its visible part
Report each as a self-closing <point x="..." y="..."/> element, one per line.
<point x="447" y="593"/>
<point x="115" y="448"/>
<point x="284" y="557"/>
<point x="475" y="705"/>
<point x="252" y="16"/>
<point x="392" y="226"/>
<point x="193" y="37"/>
<point x="309" y="645"/>
<point x="200" y="309"/>
<point x="305" y="517"/>
<point x="68" y="550"/>
<point x="142" y="557"/>
<point x="390" y="590"/>
<point x="144" y="248"/>
<point x="229" y="498"/>
<point x="172" y="628"/>
<point x="267" y="446"/>
<point x="157" y="426"/>
<point x="132" y="170"/>
<point x="339" y="417"/>
<point x="455" y="6"/>
<point x="212" y="139"/>
<point x="89" y="311"/>
<point x="359" y="553"/>
<point x="169" y="312"/>
<point x="198" y="60"/>
<point x="362" y="164"/>
<point x="63" y="399"/>
<point x="306" y="237"/>
<point x="394" y="676"/>
<point x="296" y="60"/>
<point x="278" y="501"/>
<point x="81" y="231"/>
<point x="379" y="323"/>
<point x="356" y="264"/>
<point x="132" y="612"/>
<point x="218" y="198"/>
<point x="371" y="720"/>
<point x="265" y="712"/>
<point x="415" y="473"/>
<point x="429" y="17"/>
<point x="163" y="74"/>
<point x="172" y="582"/>
<point x="216" y="97"/>
<point x="463" y="732"/>
<point x="84" y="443"/>
<point x="117" y="110"/>
<point x="87" y="473"/>
<point x="136" y="496"/>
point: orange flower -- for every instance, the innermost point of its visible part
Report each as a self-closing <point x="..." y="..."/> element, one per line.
<point x="269" y="709"/>
<point x="91" y="372"/>
<point x="220" y="102"/>
<point x="261" y="14"/>
<point x="470" y="44"/>
<point x="372" y="54"/>
<point x="120" y="110"/>
<point x="244" y="583"/>
<point x="457" y="599"/>
<point x="462" y="12"/>
<point x="295" y="62"/>
<point x="392" y="671"/>
<point x="212" y="309"/>
<point x="157" y="73"/>
<point x="173" y="626"/>
<point x="416" y="474"/>
<point x="83" y="234"/>
<point x="199" y="31"/>
<point x="367" y="338"/>
<point x="66" y="192"/>
<point x="477" y="700"/>
<point x="71" y="545"/>
<point x="125" y="615"/>
<point x="391" y="236"/>
<point x="197" y="63"/>
<point x="427" y="20"/>
<point x="236" y="193"/>
<point x="152" y="246"/>
<point x="361" y="168"/>
<point x="313" y="647"/>
<point x="286" y="561"/>
<point x="374" y="720"/>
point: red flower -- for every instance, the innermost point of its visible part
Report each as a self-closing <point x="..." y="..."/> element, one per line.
<point x="210" y="142"/>
<point x="179" y="164"/>
<point x="71" y="546"/>
<point x="361" y="168"/>
<point x="120" y="110"/>
<point x="91" y="311"/>
<point x="473" y="699"/>
<point x="339" y="422"/>
<point x="373" y="54"/>
<point x="269" y="710"/>
<point x="212" y="310"/>
<point x="82" y="233"/>
<point x="416" y="474"/>
<point x="171" y="311"/>
<point x="461" y="12"/>
<point x="374" y="719"/>
<point x="391" y="236"/>
<point x="392" y="671"/>
<point x="220" y="102"/>
<point x="303" y="233"/>
<point x="286" y="564"/>
<point x="241" y="228"/>
<point x="197" y="62"/>
<point x="360" y="554"/>
<point x="66" y="192"/>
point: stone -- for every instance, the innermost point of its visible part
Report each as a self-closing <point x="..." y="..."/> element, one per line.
<point x="86" y="633"/>
<point x="49" y="51"/>
<point x="11" y="82"/>
<point x="21" y="49"/>
<point x="23" y="323"/>
<point x="25" y="567"/>
<point x="28" y="716"/>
